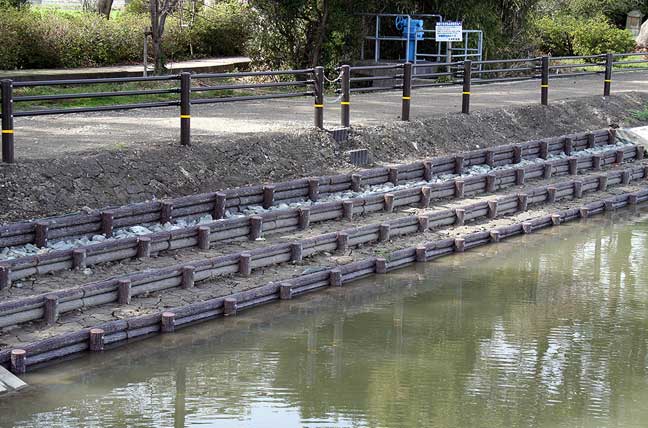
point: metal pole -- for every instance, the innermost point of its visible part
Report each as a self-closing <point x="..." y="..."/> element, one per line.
<point x="185" y="108"/>
<point x="609" y="61"/>
<point x="544" y="84"/>
<point x="407" y="91"/>
<point x="377" y="41"/>
<point x="345" y="104"/>
<point x="467" y="74"/>
<point x="145" y="53"/>
<point x="319" y="97"/>
<point x="7" y="122"/>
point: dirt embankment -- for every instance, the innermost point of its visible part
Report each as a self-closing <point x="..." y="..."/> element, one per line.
<point x="37" y="188"/>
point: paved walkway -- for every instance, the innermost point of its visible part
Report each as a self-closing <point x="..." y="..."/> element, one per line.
<point x="47" y="136"/>
<point x="207" y="65"/>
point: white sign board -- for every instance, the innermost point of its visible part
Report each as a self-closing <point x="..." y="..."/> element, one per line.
<point x="449" y="31"/>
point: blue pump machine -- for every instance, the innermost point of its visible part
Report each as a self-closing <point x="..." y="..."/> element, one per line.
<point x="412" y="31"/>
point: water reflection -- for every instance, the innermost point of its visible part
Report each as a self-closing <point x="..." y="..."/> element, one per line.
<point x="548" y="333"/>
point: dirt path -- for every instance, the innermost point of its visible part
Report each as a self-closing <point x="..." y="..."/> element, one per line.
<point x="52" y="136"/>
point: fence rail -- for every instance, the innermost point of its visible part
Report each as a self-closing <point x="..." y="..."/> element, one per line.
<point x="311" y="82"/>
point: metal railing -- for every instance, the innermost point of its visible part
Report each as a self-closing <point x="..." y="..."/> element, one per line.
<point x="311" y="83"/>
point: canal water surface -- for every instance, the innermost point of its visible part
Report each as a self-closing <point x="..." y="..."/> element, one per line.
<point x="548" y="330"/>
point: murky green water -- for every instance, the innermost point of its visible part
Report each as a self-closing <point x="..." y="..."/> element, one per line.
<point x="549" y="332"/>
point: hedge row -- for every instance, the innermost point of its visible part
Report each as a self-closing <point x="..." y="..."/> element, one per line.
<point x="33" y="38"/>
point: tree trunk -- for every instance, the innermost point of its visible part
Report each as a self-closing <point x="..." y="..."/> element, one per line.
<point x="159" y="13"/>
<point x="104" y="7"/>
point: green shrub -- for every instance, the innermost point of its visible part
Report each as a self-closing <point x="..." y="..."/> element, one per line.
<point x="568" y="35"/>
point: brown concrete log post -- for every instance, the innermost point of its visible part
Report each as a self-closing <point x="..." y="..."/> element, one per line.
<point x="381" y="265"/>
<point x="220" y="205"/>
<point x="342" y="242"/>
<point x="304" y="218"/>
<point x="578" y="189"/>
<point x="523" y="202"/>
<point x="555" y="219"/>
<point x="551" y="195"/>
<point x="268" y="196"/>
<point x="313" y="189"/>
<point x="459" y="165"/>
<point x="544" y="149"/>
<point x="494" y="236"/>
<point x="426" y="195"/>
<point x="5" y="277"/>
<point x="618" y="159"/>
<point x="97" y="337"/>
<point x="583" y="212"/>
<point x="591" y="140"/>
<point x="392" y="174"/>
<point x="423" y="223"/>
<point x="517" y="154"/>
<point x="245" y="264"/>
<point x="383" y="232"/>
<point x="612" y="136"/>
<point x="356" y="182"/>
<point x="296" y="252"/>
<point x="188" y="277"/>
<point x="203" y="237"/>
<point x="285" y="292"/>
<point x="459" y="188"/>
<point x="107" y="220"/>
<point x="520" y="176"/>
<point x="490" y="183"/>
<point x="609" y="205"/>
<point x="490" y="157"/>
<point x="633" y="198"/>
<point x="572" y="165"/>
<point x="421" y="253"/>
<point x="124" y="291"/>
<point x="79" y="258"/>
<point x="167" y="322"/>
<point x="641" y="152"/>
<point x="460" y="215"/>
<point x="547" y="172"/>
<point x="596" y="162"/>
<point x="143" y="247"/>
<point x="625" y="177"/>
<point x="389" y="202"/>
<point x="335" y="278"/>
<point x="18" y="361"/>
<point x="347" y="210"/>
<point x="603" y="182"/>
<point x="41" y="232"/>
<point x="460" y="245"/>
<point x="166" y="212"/>
<point x="256" y="227"/>
<point x="427" y="170"/>
<point x="230" y="306"/>
<point x="568" y="146"/>
<point x="51" y="309"/>
<point x="527" y="227"/>
<point x="492" y="209"/>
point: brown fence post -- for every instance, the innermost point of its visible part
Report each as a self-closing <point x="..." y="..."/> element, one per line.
<point x="345" y="103"/>
<point x="7" y="122"/>
<point x="319" y="97"/>
<point x="407" y="91"/>
<point x="544" y="84"/>
<point x="609" y="61"/>
<point x="185" y="108"/>
<point x="467" y="75"/>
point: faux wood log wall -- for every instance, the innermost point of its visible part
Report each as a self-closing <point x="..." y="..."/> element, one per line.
<point x="110" y="290"/>
<point x="238" y="199"/>
<point x="290" y="219"/>
<point x="118" y="332"/>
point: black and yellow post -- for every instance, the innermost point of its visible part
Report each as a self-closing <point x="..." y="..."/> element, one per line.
<point x="345" y="103"/>
<point x="319" y="97"/>
<point x="407" y="91"/>
<point x="7" y="122"/>
<point x="185" y="109"/>
<point x="467" y="75"/>
<point x="607" y="85"/>
<point x="544" y="80"/>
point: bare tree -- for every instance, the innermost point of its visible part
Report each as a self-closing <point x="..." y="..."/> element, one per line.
<point x="104" y="7"/>
<point x="160" y="10"/>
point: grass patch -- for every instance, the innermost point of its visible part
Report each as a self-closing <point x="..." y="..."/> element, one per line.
<point x="641" y="114"/>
